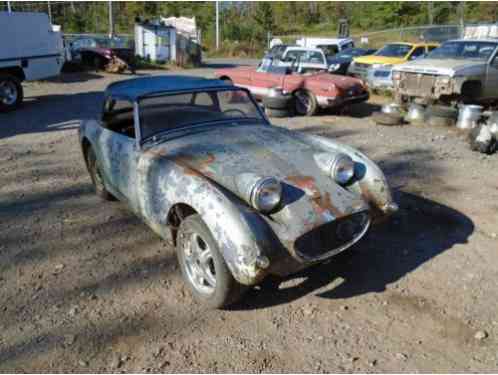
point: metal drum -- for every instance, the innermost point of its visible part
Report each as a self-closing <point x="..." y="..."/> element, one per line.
<point x="392" y="108"/>
<point x="416" y="113"/>
<point x="468" y="116"/>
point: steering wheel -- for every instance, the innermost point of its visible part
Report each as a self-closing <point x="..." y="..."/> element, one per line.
<point x="238" y="111"/>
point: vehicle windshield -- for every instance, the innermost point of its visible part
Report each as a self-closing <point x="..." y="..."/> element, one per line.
<point x="394" y="50"/>
<point x="350" y="53"/>
<point x="174" y="111"/>
<point x="329" y="49"/>
<point x="463" y="50"/>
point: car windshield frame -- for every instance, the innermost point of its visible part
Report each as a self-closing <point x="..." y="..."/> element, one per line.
<point x="436" y="53"/>
<point x="139" y="112"/>
<point x="410" y="49"/>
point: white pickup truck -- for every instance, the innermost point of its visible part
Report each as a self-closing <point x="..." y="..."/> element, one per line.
<point x="29" y="50"/>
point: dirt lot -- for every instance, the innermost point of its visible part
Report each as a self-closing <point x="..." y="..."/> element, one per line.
<point x="86" y="287"/>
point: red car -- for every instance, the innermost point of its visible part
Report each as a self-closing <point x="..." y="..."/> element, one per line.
<point x="311" y="91"/>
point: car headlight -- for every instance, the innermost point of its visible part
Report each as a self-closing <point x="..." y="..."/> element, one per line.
<point x="396" y="75"/>
<point x="334" y="67"/>
<point x="443" y="79"/>
<point x="266" y="194"/>
<point x="342" y="169"/>
<point x="377" y="66"/>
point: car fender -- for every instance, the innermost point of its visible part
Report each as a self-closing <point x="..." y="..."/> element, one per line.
<point x="241" y="233"/>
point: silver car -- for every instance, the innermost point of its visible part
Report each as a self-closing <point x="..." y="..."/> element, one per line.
<point x="464" y="70"/>
<point x="241" y="199"/>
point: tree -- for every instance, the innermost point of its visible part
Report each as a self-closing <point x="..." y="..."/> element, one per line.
<point x="264" y="20"/>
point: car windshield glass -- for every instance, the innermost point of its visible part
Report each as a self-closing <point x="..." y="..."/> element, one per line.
<point x="174" y="111"/>
<point x="349" y="53"/>
<point x="463" y="50"/>
<point x="329" y="49"/>
<point x="394" y="50"/>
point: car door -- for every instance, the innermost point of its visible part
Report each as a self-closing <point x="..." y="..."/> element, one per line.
<point x="490" y="89"/>
<point x="263" y="80"/>
<point x="118" y="149"/>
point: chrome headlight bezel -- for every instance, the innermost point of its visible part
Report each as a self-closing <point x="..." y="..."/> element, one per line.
<point x="266" y="194"/>
<point x="396" y="75"/>
<point x="342" y="169"/>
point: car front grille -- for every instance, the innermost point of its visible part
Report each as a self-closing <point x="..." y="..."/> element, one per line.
<point x="362" y="66"/>
<point x="333" y="237"/>
<point x="417" y="84"/>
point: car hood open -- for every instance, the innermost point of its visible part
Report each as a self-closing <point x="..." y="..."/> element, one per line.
<point x="223" y="153"/>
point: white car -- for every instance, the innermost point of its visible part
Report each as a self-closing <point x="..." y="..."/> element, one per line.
<point x="330" y="46"/>
<point x="306" y="59"/>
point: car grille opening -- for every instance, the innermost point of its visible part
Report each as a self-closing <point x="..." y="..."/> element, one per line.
<point x="332" y="237"/>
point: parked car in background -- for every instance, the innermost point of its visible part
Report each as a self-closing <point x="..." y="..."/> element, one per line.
<point x="311" y="91"/>
<point x="339" y="63"/>
<point x="463" y="70"/>
<point x="102" y="53"/>
<point x="330" y="46"/>
<point x="389" y="55"/>
<point x="30" y="50"/>
<point x="240" y="199"/>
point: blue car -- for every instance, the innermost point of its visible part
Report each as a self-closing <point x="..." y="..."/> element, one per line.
<point x="339" y="63"/>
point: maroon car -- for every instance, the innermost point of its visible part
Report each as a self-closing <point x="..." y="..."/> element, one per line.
<point x="311" y="91"/>
<point x="111" y="54"/>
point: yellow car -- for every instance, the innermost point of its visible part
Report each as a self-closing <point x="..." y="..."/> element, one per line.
<point x="390" y="54"/>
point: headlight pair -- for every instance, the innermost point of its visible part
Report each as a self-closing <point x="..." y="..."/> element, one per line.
<point x="334" y="67"/>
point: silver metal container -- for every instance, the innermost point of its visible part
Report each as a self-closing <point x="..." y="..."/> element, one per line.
<point x="468" y="116"/>
<point x="392" y="108"/>
<point x="416" y="113"/>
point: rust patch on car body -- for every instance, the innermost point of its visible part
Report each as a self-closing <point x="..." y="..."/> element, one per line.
<point x="306" y="183"/>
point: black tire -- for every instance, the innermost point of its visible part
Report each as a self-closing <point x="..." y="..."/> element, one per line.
<point x="14" y="93"/>
<point x="278" y="102"/>
<point x="305" y="103"/>
<point x="94" y="170"/>
<point x="387" y="119"/>
<point x="227" y="290"/>
<point x="277" y="113"/>
<point x="442" y="111"/>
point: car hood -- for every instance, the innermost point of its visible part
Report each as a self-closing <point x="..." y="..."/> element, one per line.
<point x="223" y="154"/>
<point x="341" y="81"/>
<point x="372" y="59"/>
<point x="448" y="67"/>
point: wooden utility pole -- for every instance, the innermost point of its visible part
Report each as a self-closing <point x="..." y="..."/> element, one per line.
<point x="430" y="10"/>
<point x="49" y="11"/>
<point x="217" y="25"/>
<point x="111" y="21"/>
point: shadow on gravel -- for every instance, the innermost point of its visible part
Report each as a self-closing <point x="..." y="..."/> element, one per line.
<point x="74" y="77"/>
<point x="50" y="113"/>
<point x="420" y="231"/>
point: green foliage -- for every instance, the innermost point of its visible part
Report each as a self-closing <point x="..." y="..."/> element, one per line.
<point x="248" y="23"/>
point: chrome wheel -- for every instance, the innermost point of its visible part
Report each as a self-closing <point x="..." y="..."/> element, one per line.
<point x="8" y="92"/>
<point x="199" y="264"/>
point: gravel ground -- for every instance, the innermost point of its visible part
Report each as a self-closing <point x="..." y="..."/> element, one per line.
<point x="87" y="287"/>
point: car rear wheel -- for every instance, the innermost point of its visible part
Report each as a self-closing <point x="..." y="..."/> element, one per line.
<point x="96" y="175"/>
<point x="305" y="103"/>
<point x="203" y="267"/>
<point x="11" y="92"/>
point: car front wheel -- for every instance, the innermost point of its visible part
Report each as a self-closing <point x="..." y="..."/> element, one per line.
<point x="203" y="267"/>
<point x="305" y="103"/>
<point x="11" y="92"/>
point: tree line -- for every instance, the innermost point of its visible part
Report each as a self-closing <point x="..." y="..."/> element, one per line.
<point x="251" y="22"/>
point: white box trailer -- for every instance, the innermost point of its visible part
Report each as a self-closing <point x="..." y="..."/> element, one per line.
<point x="30" y="50"/>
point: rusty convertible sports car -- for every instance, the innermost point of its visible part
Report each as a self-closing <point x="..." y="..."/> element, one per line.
<point x="241" y="199"/>
<point x="311" y="90"/>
